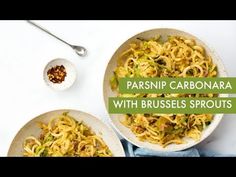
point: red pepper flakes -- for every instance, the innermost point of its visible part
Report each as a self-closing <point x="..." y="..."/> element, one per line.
<point x="57" y="74"/>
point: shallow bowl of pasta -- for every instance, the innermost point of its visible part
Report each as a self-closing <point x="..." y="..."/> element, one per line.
<point x="163" y="52"/>
<point x="66" y="133"/>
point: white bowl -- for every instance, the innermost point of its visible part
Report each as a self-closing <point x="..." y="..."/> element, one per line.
<point x="69" y="79"/>
<point x="97" y="126"/>
<point x="116" y="118"/>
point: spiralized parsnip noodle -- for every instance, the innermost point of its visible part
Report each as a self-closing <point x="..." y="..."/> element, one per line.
<point x="64" y="136"/>
<point x="175" y="57"/>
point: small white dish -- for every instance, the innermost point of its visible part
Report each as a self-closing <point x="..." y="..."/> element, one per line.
<point x="70" y="74"/>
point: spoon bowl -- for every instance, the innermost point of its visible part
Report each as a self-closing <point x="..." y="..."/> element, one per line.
<point x="81" y="51"/>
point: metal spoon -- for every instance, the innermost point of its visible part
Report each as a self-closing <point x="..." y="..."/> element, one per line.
<point x="81" y="51"/>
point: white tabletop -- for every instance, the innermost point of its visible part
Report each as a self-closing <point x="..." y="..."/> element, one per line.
<point x="25" y="51"/>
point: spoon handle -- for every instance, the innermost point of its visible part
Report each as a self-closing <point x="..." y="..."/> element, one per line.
<point x="32" y="23"/>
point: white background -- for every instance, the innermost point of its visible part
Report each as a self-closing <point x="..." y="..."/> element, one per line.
<point x="25" y="50"/>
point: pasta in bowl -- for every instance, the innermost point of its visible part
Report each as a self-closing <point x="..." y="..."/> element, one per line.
<point x="67" y="133"/>
<point x="163" y="53"/>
